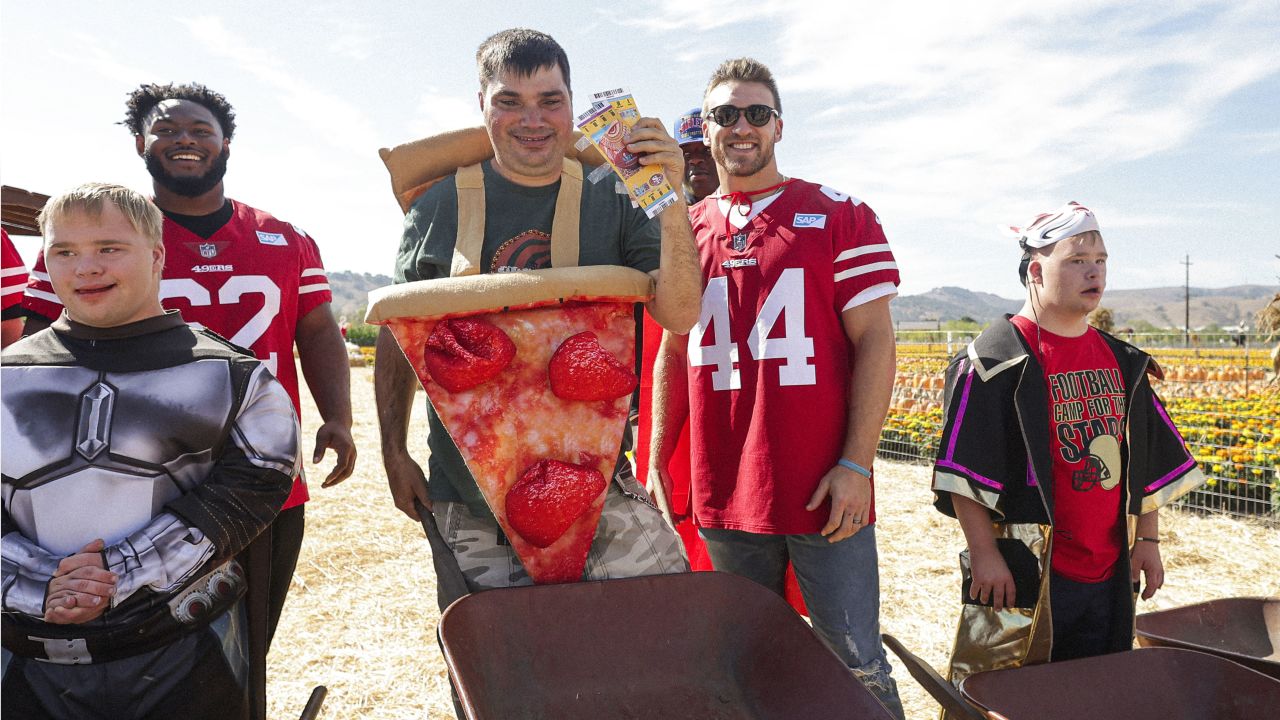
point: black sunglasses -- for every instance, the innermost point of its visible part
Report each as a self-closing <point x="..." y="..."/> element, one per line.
<point x="727" y="115"/>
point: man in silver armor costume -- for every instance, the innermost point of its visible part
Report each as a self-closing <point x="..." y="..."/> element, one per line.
<point x="141" y="456"/>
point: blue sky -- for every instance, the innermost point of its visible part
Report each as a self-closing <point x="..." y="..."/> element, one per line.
<point x="947" y="118"/>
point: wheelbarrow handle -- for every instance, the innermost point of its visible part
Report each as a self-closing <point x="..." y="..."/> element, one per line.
<point x="312" y="710"/>
<point x="934" y="684"/>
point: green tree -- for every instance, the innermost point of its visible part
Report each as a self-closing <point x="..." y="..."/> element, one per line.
<point x="964" y="324"/>
<point x="362" y="334"/>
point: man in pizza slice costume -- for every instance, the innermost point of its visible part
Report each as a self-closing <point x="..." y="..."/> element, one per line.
<point x="1056" y="455"/>
<point x="515" y="206"/>
<point x="141" y="458"/>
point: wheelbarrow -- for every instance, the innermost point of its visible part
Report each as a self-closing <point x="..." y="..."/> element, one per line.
<point x="1244" y="630"/>
<point x="1144" y="684"/>
<point x="698" y="645"/>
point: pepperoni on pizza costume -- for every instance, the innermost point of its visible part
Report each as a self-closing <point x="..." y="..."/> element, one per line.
<point x="541" y="459"/>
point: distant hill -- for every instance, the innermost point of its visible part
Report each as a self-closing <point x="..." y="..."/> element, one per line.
<point x="952" y="303"/>
<point x="1162" y="307"/>
<point x="351" y="292"/>
<point x="1166" y="307"/>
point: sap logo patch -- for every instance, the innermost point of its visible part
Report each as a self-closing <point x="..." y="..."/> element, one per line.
<point x="267" y="238"/>
<point x="211" y="268"/>
<point x="738" y="262"/>
<point x="810" y="220"/>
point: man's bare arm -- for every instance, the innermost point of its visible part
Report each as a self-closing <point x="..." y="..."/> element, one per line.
<point x="323" y="356"/>
<point x="675" y="304"/>
<point x="670" y="410"/>
<point x="1144" y="559"/>
<point x="869" y="328"/>
<point x="992" y="581"/>
<point x="394" y="384"/>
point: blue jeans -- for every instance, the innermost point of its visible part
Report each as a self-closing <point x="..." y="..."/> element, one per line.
<point x="840" y="583"/>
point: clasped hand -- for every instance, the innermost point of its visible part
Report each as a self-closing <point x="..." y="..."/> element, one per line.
<point x="81" y="587"/>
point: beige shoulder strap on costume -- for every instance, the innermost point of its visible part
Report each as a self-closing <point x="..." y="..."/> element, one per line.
<point x="471" y="209"/>
<point x="470" y="241"/>
<point x="564" y="225"/>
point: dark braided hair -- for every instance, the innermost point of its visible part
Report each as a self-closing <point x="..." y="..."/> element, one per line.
<point x="143" y="100"/>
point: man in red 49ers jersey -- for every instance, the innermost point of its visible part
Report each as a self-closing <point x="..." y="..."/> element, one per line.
<point x="784" y="430"/>
<point x="241" y="273"/>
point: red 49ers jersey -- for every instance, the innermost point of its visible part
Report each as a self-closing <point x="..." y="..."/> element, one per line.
<point x="250" y="282"/>
<point x="14" y="275"/>
<point x="769" y="360"/>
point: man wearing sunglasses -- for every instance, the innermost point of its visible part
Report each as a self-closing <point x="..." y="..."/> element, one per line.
<point x="786" y="377"/>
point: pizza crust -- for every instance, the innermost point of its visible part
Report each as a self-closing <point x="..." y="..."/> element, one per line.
<point x="493" y="292"/>
<point x="416" y="166"/>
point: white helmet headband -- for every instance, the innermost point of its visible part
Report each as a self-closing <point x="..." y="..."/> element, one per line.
<point x="1048" y="228"/>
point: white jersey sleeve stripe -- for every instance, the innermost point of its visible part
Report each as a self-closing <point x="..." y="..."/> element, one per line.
<point x="875" y="292"/>
<point x="312" y="288"/>
<point x="41" y="276"/>
<point x="42" y="295"/>
<point x="864" y="269"/>
<point x="11" y="290"/>
<point x="312" y="271"/>
<point x="10" y="272"/>
<point x="859" y="251"/>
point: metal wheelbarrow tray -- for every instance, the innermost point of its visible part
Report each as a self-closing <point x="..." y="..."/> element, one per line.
<point x="1245" y="630"/>
<point x="696" y="645"/>
<point x="1145" y="684"/>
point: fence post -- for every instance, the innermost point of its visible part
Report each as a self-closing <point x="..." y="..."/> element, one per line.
<point x="1246" y="364"/>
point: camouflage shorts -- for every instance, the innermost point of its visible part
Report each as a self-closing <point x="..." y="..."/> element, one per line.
<point x="632" y="539"/>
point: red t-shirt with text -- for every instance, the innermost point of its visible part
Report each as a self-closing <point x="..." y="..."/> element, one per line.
<point x="1086" y="431"/>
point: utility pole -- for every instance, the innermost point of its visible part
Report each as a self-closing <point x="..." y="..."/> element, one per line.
<point x="1186" y="322"/>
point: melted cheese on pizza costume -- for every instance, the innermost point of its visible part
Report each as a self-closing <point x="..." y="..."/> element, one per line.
<point x="507" y="424"/>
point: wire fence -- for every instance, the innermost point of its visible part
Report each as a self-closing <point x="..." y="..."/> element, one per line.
<point x="1220" y="390"/>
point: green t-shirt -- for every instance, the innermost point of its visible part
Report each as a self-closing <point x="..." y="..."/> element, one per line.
<point x="517" y="236"/>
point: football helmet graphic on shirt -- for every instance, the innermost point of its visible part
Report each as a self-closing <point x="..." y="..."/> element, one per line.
<point x="1101" y="467"/>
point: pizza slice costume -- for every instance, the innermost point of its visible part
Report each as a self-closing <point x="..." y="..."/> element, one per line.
<point x="995" y="450"/>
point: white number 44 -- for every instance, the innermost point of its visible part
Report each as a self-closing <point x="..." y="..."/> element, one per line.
<point x="786" y="299"/>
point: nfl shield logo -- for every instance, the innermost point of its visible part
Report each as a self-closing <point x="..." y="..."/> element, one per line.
<point x="208" y="250"/>
<point x="740" y="242"/>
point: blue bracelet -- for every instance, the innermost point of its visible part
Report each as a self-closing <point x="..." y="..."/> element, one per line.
<point x="851" y="465"/>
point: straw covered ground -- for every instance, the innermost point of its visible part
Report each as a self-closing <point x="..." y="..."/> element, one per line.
<point x="362" y="615"/>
